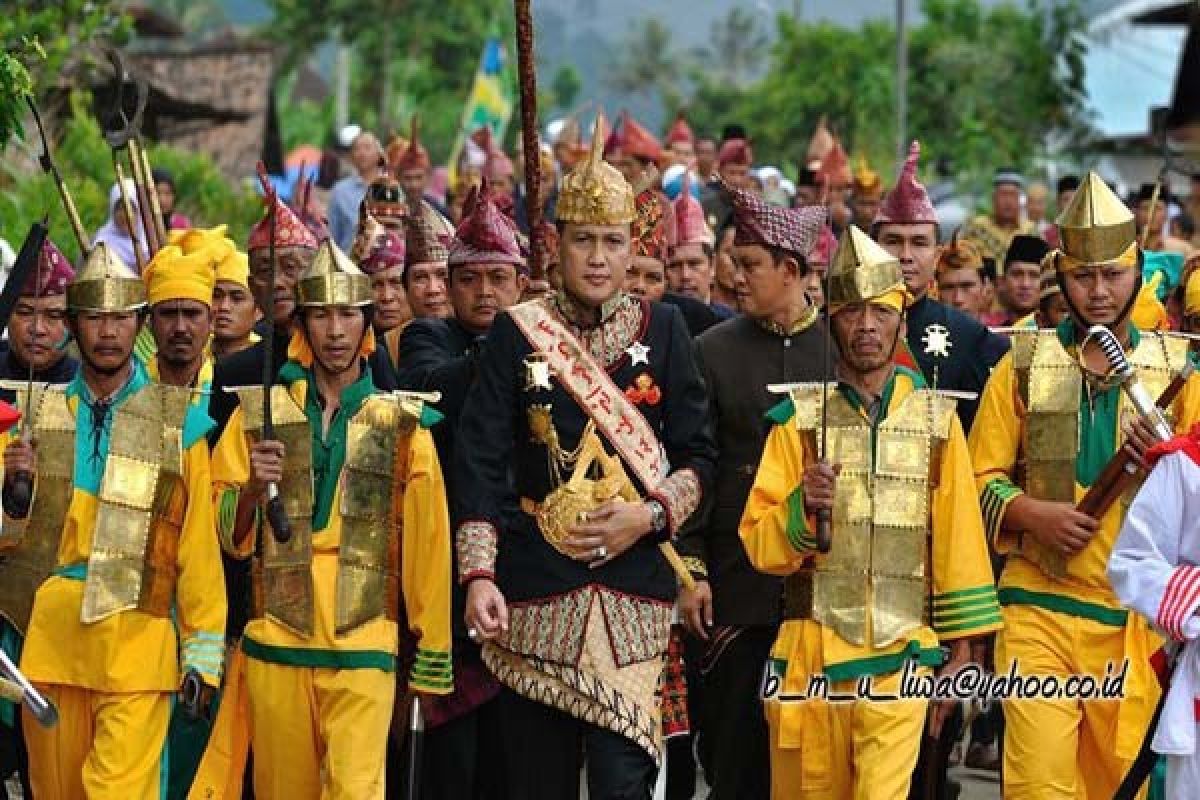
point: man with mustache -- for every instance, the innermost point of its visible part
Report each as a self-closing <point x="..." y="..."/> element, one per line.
<point x="367" y="565"/>
<point x="109" y="570"/>
<point x="1049" y="421"/>
<point x="734" y="610"/>
<point x="37" y="332"/>
<point x="425" y="273"/>
<point x="487" y="276"/>
<point x="179" y="288"/>
<point x="379" y="251"/>
<point x="950" y="349"/>
<point x="907" y="572"/>
<point x="295" y="247"/>
<point x="589" y="408"/>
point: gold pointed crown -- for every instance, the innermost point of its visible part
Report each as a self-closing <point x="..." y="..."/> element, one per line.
<point x="861" y="271"/>
<point x="106" y="283"/>
<point x="1096" y="227"/>
<point x="333" y="280"/>
<point x="595" y="193"/>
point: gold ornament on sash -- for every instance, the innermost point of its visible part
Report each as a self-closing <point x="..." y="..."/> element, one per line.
<point x="569" y="503"/>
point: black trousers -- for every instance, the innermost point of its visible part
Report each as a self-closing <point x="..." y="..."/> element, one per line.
<point x="14" y="758"/>
<point x="463" y="759"/>
<point x="545" y="749"/>
<point x="734" y="742"/>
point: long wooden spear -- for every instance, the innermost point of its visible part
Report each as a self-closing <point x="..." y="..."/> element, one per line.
<point x="527" y="78"/>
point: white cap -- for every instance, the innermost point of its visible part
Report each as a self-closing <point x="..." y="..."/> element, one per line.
<point x="348" y="134"/>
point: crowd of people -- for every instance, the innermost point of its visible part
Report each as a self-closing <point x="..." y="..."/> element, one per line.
<point x="660" y="507"/>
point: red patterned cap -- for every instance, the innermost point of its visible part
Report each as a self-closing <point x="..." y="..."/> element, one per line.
<point x="485" y="236"/>
<point x="290" y="231"/>
<point x="376" y="248"/>
<point x="835" y="167"/>
<point x="690" y="225"/>
<point x="414" y="156"/>
<point x="822" y="252"/>
<point x="52" y="276"/>
<point x="907" y="202"/>
<point x="424" y="239"/>
<point x="652" y="226"/>
<point x="756" y="222"/>
<point x="680" y="131"/>
<point x="735" y="151"/>
<point x="305" y="204"/>
<point x="632" y="139"/>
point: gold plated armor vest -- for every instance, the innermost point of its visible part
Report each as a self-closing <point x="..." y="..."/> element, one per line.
<point x="872" y="588"/>
<point x="368" y="581"/>
<point x="1050" y="383"/>
<point x="370" y="507"/>
<point x="283" y="588"/>
<point x="140" y="508"/>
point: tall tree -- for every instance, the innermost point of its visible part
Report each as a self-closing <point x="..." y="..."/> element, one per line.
<point x="737" y="48"/>
<point x="196" y="17"/>
<point x="988" y="85"/>
<point x="646" y="63"/>
<point x="409" y="55"/>
<point x="565" y="86"/>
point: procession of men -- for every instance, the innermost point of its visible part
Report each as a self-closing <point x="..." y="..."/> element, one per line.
<point x="653" y="475"/>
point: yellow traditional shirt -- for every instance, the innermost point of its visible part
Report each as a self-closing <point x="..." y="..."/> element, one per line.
<point x="779" y="540"/>
<point x="995" y="446"/>
<point x="130" y="651"/>
<point x="425" y="548"/>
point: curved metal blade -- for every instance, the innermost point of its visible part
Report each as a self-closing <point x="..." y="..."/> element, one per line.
<point x="122" y="129"/>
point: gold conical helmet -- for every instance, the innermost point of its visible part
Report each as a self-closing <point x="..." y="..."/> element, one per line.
<point x="333" y="280"/>
<point x="1095" y="227"/>
<point x="106" y="283"/>
<point x="595" y="193"/>
<point x="862" y="271"/>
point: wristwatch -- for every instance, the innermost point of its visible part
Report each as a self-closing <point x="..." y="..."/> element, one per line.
<point x="658" y="517"/>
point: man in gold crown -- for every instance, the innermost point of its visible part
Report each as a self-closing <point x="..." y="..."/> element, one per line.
<point x="366" y="565"/>
<point x="110" y="570"/>
<point x="588" y="404"/>
<point x="1049" y="421"/>
<point x="907" y="570"/>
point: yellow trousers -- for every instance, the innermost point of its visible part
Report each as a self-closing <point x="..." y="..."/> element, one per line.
<point x="105" y="745"/>
<point x="861" y="750"/>
<point x="318" y="733"/>
<point x="1059" y="749"/>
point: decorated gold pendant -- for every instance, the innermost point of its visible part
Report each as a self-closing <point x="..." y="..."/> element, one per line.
<point x="541" y="424"/>
<point x="568" y="505"/>
<point x="537" y="372"/>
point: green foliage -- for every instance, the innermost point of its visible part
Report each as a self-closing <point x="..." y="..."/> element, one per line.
<point x="645" y="63"/>
<point x="737" y="48"/>
<point x="305" y="122"/>
<point x="85" y="161"/>
<point x="565" y="86"/>
<point x="39" y="45"/>
<point x="15" y="85"/>
<point x="988" y="86"/>
<point x="429" y="49"/>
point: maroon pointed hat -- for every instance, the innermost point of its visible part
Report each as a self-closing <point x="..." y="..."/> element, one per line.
<point x="53" y="273"/>
<point x="907" y="202"/>
<point x="290" y="231"/>
<point x="485" y="236"/>
<point x="756" y="222"/>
